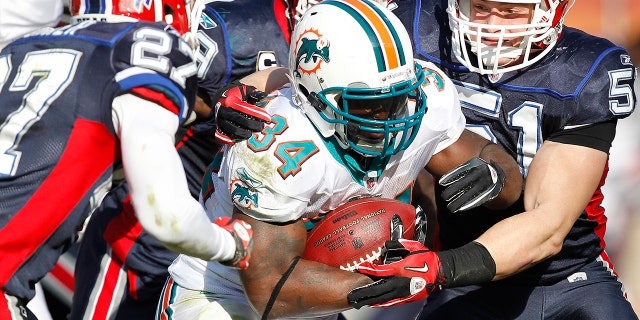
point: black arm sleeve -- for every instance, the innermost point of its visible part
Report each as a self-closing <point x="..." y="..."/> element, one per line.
<point x="597" y="136"/>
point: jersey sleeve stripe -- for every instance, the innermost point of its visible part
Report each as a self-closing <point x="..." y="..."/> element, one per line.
<point x="157" y="97"/>
<point x="139" y="77"/>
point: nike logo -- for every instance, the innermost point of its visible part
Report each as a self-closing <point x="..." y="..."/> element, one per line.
<point x="423" y="269"/>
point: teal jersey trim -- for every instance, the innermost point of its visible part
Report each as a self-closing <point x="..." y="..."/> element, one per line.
<point x="207" y="183"/>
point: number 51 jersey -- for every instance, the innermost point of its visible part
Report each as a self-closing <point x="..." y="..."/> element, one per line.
<point x="583" y="80"/>
<point x="58" y="144"/>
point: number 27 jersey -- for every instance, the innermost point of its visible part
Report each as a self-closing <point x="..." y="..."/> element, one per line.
<point x="58" y="144"/>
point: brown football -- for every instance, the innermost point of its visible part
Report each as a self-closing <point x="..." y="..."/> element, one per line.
<point x="356" y="231"/>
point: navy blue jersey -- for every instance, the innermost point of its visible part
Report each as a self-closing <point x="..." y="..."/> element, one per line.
<point x="236" y="39"/>
<point x="240" y="37"/>
<point x="585" y="80"/>
<point x="59" y="147"/>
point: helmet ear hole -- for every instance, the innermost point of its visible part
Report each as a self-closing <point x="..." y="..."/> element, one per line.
<point x="313" y="99"/>
<point x="316" y="102"/>
<point x="303" y="90"/>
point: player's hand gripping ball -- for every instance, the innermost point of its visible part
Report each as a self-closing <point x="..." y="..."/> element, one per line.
<point x="356" y="231"/>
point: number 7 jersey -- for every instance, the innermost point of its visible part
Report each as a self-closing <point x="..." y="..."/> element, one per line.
<point x="58" y="144"/>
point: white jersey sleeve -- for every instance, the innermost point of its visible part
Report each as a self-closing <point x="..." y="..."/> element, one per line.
<point x="444" y="113"/>
<point x="158" y="185"/>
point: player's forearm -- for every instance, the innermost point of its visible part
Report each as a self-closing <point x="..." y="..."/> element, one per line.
<point x="168" y="212"/>
<point x="520" y="242"/>
<point x="185" y="229"/>
<point x="267" y="80"/>
<point x="510" y="246"/>
<point x="311" y="290"/>
<point x="560" y="184"/>
<point x="307" y="288"/>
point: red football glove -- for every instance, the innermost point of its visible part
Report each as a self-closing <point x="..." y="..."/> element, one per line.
<point x="413" y="278"/>
<point x="243" y="235"/>
<point x="237" y="116"/>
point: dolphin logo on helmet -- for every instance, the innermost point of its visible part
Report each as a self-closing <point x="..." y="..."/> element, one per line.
<point x="312" y="50"/>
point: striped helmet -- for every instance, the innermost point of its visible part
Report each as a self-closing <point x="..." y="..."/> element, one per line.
<point x="354" y="76"/>
<point x="299" y="7"/>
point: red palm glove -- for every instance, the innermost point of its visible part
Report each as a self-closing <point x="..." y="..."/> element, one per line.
<point x="237" y="116"/>
<point x="412" y="278"/>
<point x="243" y="235"/>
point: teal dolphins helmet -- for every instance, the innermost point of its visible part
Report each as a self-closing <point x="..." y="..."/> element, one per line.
<point x="353" y="74"/>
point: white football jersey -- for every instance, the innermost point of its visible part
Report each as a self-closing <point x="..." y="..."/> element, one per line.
<point x="290" y="171"/>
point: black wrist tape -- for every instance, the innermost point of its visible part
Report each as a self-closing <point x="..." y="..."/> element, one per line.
<point x="469" y="264"/>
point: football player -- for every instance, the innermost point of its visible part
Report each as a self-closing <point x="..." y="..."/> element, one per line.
<point x="551" y="95"/>
<point x="360" y="118"/>
<point x="78" y="103"/>
<point x="120" y="268"/>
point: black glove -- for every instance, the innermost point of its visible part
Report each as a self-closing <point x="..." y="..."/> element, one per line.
<point x="472" y="184"/>
<point x="381" y="291"/>
<point x="237" y="116"/>
<point x="395" y="254"/>
<point x="397" y="228"/>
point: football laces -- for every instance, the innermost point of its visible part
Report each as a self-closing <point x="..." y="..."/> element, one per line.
<point x="372" y="257"/>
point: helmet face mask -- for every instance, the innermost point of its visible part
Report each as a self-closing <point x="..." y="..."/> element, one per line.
<point x="353" y="75"/>
<point x="301" y="7"/>
<point x="374" y="122"/>
<point x="493" y="49"/>
<point x="183" y="15"/>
